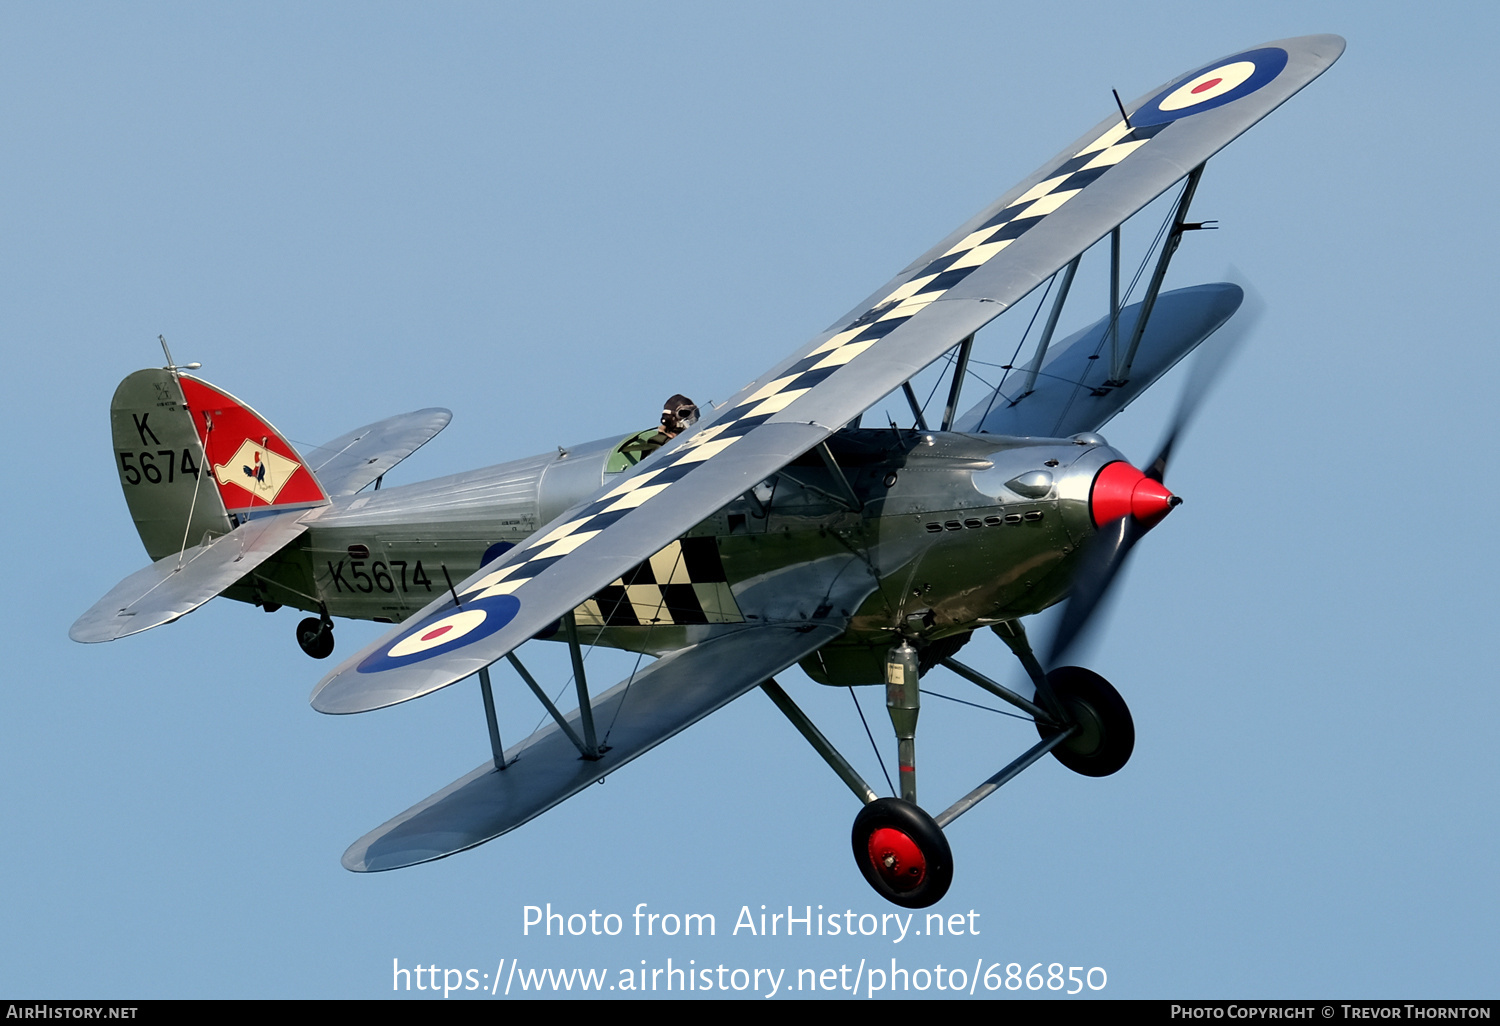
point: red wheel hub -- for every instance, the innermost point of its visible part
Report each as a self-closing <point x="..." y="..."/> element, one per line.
<point x="897" y="859"/>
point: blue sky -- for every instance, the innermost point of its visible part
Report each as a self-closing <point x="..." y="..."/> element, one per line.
<point x="547" y="218"/>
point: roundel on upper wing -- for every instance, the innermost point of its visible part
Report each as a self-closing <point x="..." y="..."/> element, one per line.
<point x="448" y="630"/>
<point x="1213" y="86"/>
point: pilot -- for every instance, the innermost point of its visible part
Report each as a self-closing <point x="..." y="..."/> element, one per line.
<point x="677" y="415"/>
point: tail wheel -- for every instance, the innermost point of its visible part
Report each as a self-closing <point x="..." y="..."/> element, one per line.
<point x="316" y="637"/>
<point x="902" y="853"/>
<point x="1106" y="734"/>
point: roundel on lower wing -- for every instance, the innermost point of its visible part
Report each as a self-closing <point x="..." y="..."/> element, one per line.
<point x="1213" y="86"/>
<point x="440" y="634"/>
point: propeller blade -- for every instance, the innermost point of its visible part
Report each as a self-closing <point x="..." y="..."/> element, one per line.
<point x="1105" y="555"/>
<point x="1214" y="355"/>
<point x="1100" y="563"/>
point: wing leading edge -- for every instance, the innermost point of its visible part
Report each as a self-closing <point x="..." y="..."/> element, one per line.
<point x="957" y="287"/>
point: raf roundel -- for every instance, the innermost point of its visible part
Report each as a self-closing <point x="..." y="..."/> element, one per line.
<point x="1219" y="83"/>
<point x="438" y="635"/>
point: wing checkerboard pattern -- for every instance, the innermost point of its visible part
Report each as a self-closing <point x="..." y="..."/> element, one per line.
<point x="1034" y="231"/>
<point x="927" y="284"/>
<point x="682" y="584"/>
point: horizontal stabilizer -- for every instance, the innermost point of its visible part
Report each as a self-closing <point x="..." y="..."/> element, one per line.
<point x="666" y="697"/>
<point x="1070" y="394"/>
<point x="178" y="584"/>
<point x="349" y="462"/>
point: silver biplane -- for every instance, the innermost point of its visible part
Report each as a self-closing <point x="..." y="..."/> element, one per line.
<point x="774" y="531"/>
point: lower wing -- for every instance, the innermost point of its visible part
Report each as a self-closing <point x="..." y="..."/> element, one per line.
<point x="640" y="712"/>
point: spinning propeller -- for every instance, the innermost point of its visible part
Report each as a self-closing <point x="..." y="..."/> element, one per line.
<point x="1126" y="502"/>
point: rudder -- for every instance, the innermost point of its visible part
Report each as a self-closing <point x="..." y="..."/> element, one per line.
<point x="168" y="428"/>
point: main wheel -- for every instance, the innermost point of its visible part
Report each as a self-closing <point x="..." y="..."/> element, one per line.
<point x="902" y="853"/>
<point x="316" y="637"/>
<point x="1106" y="734"/>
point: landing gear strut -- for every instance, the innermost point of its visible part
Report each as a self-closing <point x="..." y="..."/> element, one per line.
<point x="900" y="849"/>
<point x="315" y="635"/>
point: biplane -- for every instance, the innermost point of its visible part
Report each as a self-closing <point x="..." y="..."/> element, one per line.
<point x="777" y="530"/>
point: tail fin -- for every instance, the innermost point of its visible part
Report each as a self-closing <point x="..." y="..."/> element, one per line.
<point x="189" y="455"/>
<point x="253" y="465"/>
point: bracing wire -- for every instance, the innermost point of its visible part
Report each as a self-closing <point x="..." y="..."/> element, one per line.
<point x="986" y="708"/>
<point x="883" y="770"/>
<point x="1125" y="298"/>
<point x="1008" y="367"/>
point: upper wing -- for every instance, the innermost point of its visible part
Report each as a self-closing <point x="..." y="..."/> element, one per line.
<point x="349" y="462"/>
<point x="951" y="291"/>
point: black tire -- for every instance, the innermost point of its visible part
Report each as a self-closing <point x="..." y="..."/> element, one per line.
<point x="315" y="637"/>
<point x="902" y="853"/>
<point x="1107" y="737"/>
